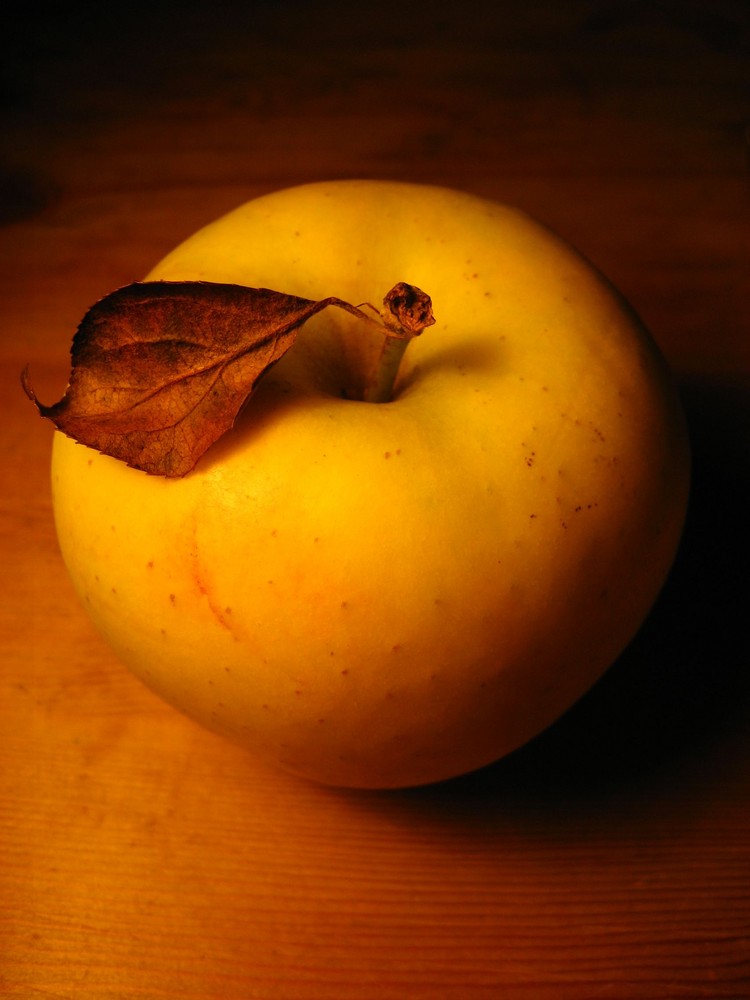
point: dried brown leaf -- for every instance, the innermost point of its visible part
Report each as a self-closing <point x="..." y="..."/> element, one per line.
<point x="161" y="369"/>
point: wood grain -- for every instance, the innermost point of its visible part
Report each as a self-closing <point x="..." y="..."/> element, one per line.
<point x="142" y="857"/>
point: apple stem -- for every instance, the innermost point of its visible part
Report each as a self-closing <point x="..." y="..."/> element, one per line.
<point x="407" y="310"/>
<point x="380" y="388"/>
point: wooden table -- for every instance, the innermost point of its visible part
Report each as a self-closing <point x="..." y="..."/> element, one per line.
<point x="141" y="857"/>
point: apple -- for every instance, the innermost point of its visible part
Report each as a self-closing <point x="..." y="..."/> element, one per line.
<point x="390" y="594"/>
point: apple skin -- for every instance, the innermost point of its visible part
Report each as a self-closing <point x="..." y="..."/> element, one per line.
<point x="387" y="595"/>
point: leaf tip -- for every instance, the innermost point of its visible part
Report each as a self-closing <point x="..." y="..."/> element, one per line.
<point x="28" y="388"/>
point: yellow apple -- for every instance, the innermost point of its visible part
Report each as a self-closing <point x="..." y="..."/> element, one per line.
<point x="390" y="594"/>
